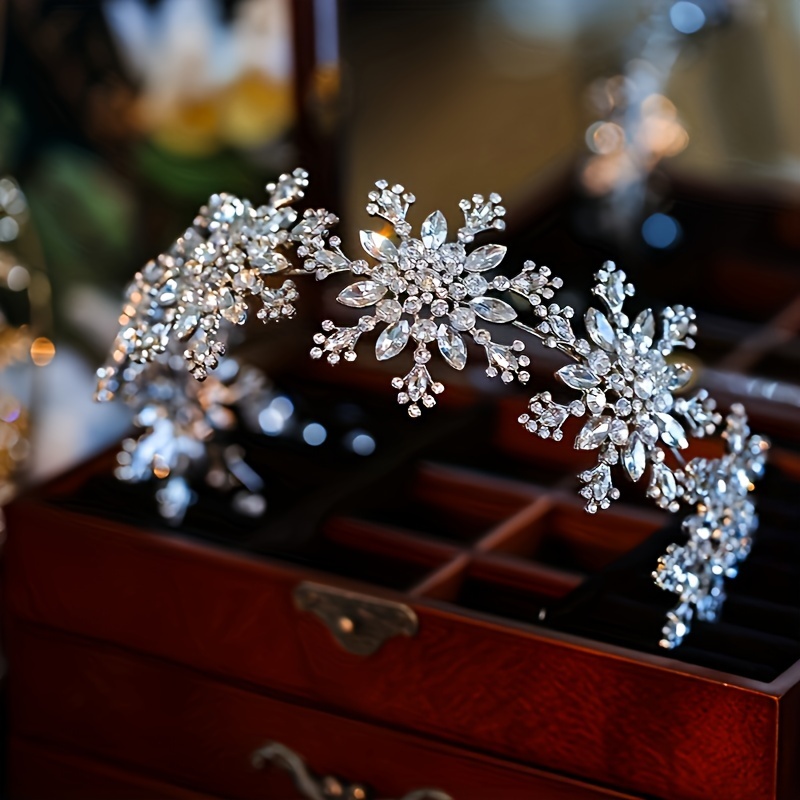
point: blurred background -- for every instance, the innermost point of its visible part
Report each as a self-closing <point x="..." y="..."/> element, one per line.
<point x="662" y="133"/>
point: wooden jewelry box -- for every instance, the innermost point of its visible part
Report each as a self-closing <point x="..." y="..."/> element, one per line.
<point x="441" y="615"/>
<point x="388" y="625"/>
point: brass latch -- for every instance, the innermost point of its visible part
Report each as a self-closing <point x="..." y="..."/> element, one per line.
<point x="358" y="622"/>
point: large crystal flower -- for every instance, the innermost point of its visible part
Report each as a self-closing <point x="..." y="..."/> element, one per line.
<point x="210" y="275"/>
<point x="720" y="532"/>
<point x="428" y="291"/>
<point x="627" y="385"/>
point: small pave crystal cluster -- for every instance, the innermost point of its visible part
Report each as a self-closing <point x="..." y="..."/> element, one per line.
<point x="178" y="311"/>
<point x="428" y="291"/>
<point x="720" y="531"/>
<point x="180" y="419"/>
<point x="207" y="279"/>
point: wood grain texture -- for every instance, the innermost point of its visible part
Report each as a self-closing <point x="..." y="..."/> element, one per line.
<point x="179" y="724"/>
<point x="41" y="773"/>
<point x="631" y="721"/>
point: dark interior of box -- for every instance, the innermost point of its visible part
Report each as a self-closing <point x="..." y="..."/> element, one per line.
<point x="463" y="507"/>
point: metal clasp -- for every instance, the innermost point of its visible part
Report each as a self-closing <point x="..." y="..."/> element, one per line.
<point x="358" y="622"/>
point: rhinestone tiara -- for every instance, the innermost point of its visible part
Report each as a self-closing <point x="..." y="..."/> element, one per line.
<point x="422" y="290"/>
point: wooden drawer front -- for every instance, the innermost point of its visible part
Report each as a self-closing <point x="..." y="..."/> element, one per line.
<point x="198" y="732"/>
<point x="608" y="717"/>
<point x="41" y="773"/>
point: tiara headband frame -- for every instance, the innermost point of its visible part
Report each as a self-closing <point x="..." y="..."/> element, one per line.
<point x="427" y="290"/>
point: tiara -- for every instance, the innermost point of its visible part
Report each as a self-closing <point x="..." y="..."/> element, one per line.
<point x="433" y="290"/>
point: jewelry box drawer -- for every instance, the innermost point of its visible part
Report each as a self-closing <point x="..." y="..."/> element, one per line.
<point x="42" y="773"/>
<point x="187" y="728"/>
<point x="510" y="689"/>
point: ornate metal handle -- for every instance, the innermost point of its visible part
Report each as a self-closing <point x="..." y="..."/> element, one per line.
<point x="327" y="787"/>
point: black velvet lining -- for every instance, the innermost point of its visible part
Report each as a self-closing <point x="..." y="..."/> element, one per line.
<point x="758" y="636"/>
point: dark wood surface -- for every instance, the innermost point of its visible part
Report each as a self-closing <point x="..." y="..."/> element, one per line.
<point x="146" y="714"/>
<point x="47" y="773"/>
<point x="641" y="723"/>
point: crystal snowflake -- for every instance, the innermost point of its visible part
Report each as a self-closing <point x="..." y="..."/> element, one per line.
<point x="181" y="420"/>
<point x="430" y="291"/>
<point x="720" y="532"/>
<point x="627" y="387"/>
<point x="210" y="275"/>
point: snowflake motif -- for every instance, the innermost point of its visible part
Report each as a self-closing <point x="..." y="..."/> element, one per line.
<point x="210" y="275"/>
<point x="627" y="389"/>
<point x="720" y="532"/>
<point x="428" y="290"/>
<point x="180" y="420"/>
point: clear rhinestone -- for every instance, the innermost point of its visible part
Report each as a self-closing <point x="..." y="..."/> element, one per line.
<point x="458" y="291"/>
<point x="434" y="230"/>
<point x="332" y="260"/>
<point x="424" y="330"/>
<point x="378" y="246"/>
<point x="412" y="305"/>
<point x="462" y="318"/>
<point x="528" y="283"/>
<point x="643" y="386"/>
<point x="634" y="457"/>
<point x="672" y="432"/>
<point x="502" y="356"/>
<point x="595" y="400"/>
<point x="418" y="381"/>
<point x="388" y="310"/>
<point x="392" y="340"/>
<point x="493" y="310"/>
<point x="392" y="208"/>
<point x="618" y="431"/>
<point x="452" y="347"/>
<point x="562" y="328"/>
<point x="593" y="434"/>
<point x="485" y="258"/>
<point x="553" y="417"/>
<point x="476" y="284"/>
<point x="599" y="362"/>
<point x="600" y="329"/>
<point x="623" y="407"/>
<point x="643" y="329"/>
<point x="188" y="322"/>
<point x="576" y="376"/>
<point x="362" y="294"/>
<point x="439" y="308"/>
<point x="168" y="293"/>
<point x="680" y="375"/>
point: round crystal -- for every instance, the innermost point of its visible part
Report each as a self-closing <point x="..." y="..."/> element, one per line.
<point x="439" y="308"/>
<point x="462" y="319"/>
<point x="476" y="285"/>
<point x="412" y="305"/>
<point x="424" y="330"/>
<point x="458" y="291"/>
<point x="389" y="311"/>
